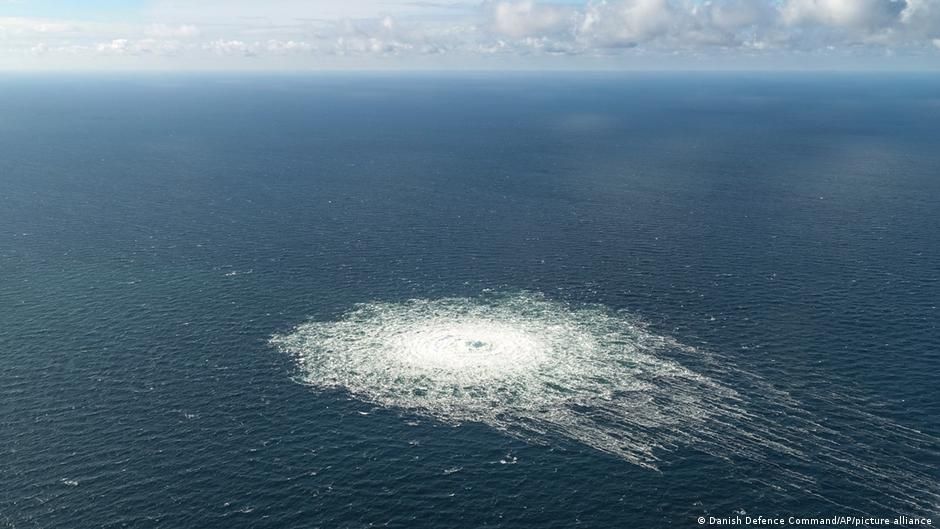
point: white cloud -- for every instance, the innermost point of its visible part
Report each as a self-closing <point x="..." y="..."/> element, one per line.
<point x="125" y="47"/>
<point x="733" y="15"/>
<point x="301" y="33"/>
<point x="864" y="15"/>
<point x="232" y="47"/>
<point x="528" y="18"/>
<point x="23" y="25"/>
<point x="922" y="17"/>
<point x="289" y="11"/>
<point x="629" y="22"/>
<point x="279" y="47"/>
<point x="116" y="46"/>
<point x="184" y="31"/>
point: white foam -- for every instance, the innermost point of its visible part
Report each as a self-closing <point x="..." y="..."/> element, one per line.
<point x="519" y="363"/>
<point x="543" y="371"/>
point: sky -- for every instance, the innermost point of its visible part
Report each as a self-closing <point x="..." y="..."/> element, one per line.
<point x="292" y="35"/>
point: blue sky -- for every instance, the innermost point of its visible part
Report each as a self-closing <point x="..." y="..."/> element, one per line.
<point x="89" y="9"/>
<point x="469" y="34"/>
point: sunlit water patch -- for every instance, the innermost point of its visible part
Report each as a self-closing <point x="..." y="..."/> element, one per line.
<point x="544" y="371"/>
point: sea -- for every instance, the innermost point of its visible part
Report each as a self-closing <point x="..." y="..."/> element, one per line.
<point x="469" y="300"/>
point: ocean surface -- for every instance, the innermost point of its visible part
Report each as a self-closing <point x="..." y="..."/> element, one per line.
<point x="224" y="299"/>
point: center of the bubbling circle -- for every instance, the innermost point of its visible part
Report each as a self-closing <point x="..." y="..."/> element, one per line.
<point x="485" y="347"/>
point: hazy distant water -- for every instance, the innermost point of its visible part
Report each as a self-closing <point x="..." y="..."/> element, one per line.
<point x="156" y="232"/>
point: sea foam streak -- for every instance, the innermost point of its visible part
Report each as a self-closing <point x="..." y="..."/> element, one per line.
<point x="542" y="371"/>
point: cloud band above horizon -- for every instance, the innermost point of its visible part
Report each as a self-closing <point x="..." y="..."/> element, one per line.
<point x="294" y="34"/>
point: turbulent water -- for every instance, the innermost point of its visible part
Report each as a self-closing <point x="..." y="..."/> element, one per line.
<point x="543" y="370"/>
<point x="519" y="363"/>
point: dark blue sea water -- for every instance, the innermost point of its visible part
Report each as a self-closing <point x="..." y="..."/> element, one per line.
<point x="157" y="231"/>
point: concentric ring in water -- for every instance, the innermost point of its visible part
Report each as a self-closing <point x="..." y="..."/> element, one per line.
<point x="519" y="363"/>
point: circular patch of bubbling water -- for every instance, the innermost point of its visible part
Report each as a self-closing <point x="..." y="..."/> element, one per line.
<point x="520" y="363"/>
<point x="542" y="370"/>
<point x="483" y="347"/>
